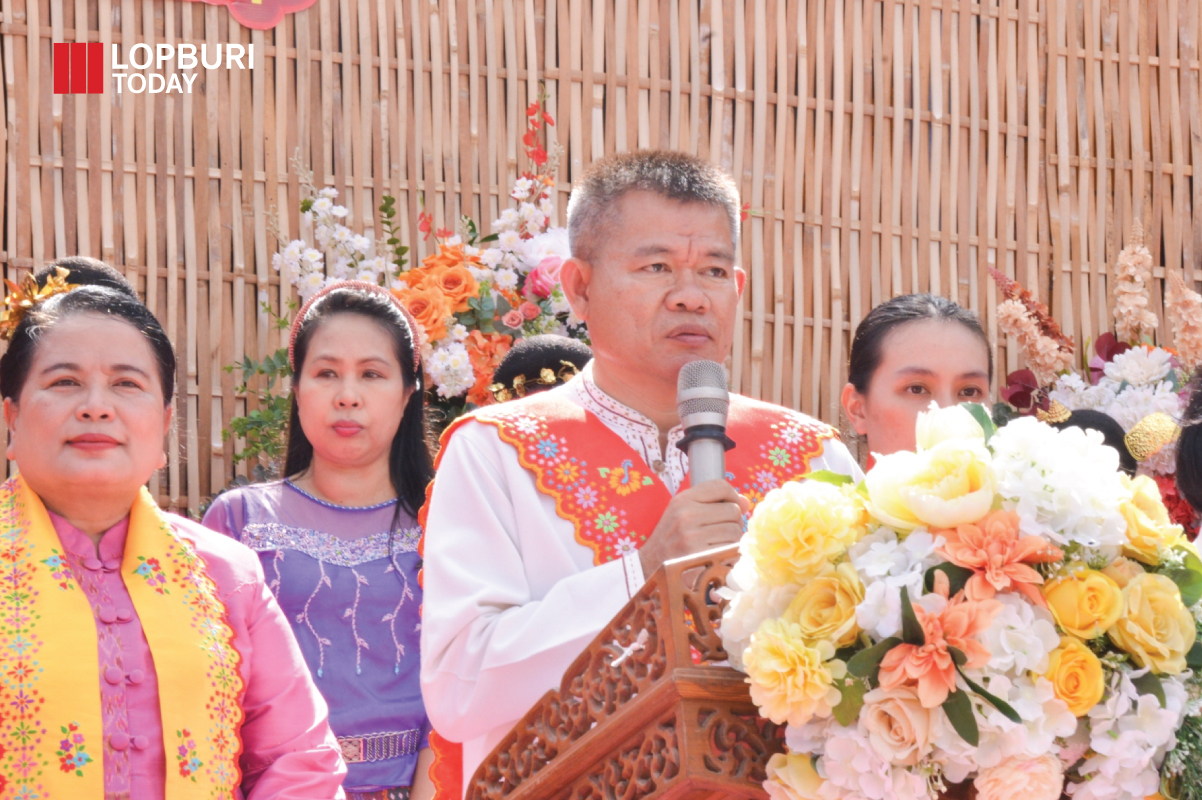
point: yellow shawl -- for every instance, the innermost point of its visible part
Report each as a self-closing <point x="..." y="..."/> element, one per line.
<point x="51" y="730"/>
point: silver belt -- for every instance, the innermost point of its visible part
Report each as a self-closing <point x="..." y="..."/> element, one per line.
<point x="379" y="746"/>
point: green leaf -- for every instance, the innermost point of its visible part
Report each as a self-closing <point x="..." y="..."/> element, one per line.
<point x="981" y="415"/>
<point x="851" y="700"/>
<point x="957" y="577"/>
<point x="306" y="204"/>
<point x="1149" y="684"/>
<point x="828" y="476"/>
<point x="1193" y="659"/>
<point x="866" y="663"/>
<point x="958" y="708"/>
<point x="958" y="656"/>
<point x="1190" y="560"/>
<point x="911" y="630"/>
<point x="862" y="489"/>
<point x="998" y="703"/>
<point x="1189" y="582"/>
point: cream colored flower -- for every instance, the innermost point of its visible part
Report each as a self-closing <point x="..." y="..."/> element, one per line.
<point x="792" y="777"/>
<point x="1156" y="629"/>
<point x="826" y="608"/>
<point x="943" y="487"/>
<point x="899" y="729"/>
<point x="937" y="424"/>
<point x="800" y="528"/>
<point x="791" y="681"/>
<point x="1038" y="778"/>
<point x="1122" y="570"/>
<point x="1183" y="307"/>
<point x="1133" y="320"/>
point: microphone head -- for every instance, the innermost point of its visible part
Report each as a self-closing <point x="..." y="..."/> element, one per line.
<point x="701" y="395"/>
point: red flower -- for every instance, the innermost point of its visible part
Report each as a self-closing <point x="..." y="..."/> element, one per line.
<point x="443" y="233"/>
<point x="538" y="156"/>
<point x="424" y="221"/>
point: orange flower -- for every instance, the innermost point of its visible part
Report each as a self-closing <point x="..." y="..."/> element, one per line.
<point x="999" y="556"/>
<point x="930" y="666"/>
<point x="447" y="256"/>
<point x="457" y="285"/>
<point x="485" y="351"/>
<point x="429" y="307"/>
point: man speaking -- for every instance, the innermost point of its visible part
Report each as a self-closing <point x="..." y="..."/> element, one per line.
<point x="548" y="512"/>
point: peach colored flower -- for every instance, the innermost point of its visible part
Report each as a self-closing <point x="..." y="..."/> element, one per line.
<point x="999" y="556"/>
<point x="512" y="319"/>
<point x="929" y="666"/>
<point x="529" y="310"/>
<point x="485" y="350"/>
<point x="899" y="728"/>
<point x="457" y="284"/>
<point x="1039" y="778"/>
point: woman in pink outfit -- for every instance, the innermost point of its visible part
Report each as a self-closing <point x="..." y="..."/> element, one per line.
<point x="142" y="655"/>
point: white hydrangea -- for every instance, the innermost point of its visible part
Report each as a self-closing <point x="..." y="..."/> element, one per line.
<point x="1064" y="485"/>
<point x="751" y="602"/>
<point x="338" y="211"/>
<point x="329" y="192"/>
<point x="509" y="240"/>
<point x="508" y="220"/>
<point x="491" y="257"/>
<point x="521" y="188"/>
<point x="322" y="205"/>
<point x="1139" y="366"/>
<point x="360" y="244"/>
<point x="854" y="771"/>
<point x="1020" y="638"/>
<point x="551" y="242"/>
<point x="1129" y="736"/>
<point x="885" y="565"/>
<point x="1076" y="395"/>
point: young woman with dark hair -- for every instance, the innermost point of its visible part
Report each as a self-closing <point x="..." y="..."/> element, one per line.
<point x="907" y="352"/>
<point x="338" y="536"/>
<point x="157" y="647"/>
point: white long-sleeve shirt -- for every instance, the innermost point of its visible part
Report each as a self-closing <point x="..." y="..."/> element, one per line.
<point x="511" y="598"/>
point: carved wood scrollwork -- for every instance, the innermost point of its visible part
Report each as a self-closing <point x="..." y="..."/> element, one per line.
<point x="739" y="744"/>
<point x="699" y="581"/>
<point x="635" y="770"/>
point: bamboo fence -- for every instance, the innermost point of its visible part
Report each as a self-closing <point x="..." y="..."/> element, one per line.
<point x="884" y="147"/>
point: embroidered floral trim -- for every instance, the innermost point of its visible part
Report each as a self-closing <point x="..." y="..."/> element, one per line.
<point x="335" y="506"/>
<point x="152" y="572"/>
<point x="71" y="752"/>
<point x="267" y="536"/>
<point x="185" y="755"/>
<point x="60" y="570"/>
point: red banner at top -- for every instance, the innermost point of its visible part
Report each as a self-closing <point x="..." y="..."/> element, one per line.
<point x="260" y="14"/>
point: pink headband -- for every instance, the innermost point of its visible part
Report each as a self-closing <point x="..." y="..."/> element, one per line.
<point x="361" y="286"/>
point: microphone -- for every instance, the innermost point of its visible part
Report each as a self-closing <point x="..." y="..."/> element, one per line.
<point x="703" y="402"/>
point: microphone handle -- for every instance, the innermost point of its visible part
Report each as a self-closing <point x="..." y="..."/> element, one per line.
<point x="707" y="460"/>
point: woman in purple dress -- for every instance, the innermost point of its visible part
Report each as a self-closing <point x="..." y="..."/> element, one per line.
<point x="338" y="537"/>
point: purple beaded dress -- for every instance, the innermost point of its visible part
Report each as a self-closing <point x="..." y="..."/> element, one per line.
<point x="354" y="609"/>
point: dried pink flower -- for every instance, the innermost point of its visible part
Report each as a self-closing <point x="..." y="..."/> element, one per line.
<point x="1183" y="307"/>
<point x="1133" y="320"/>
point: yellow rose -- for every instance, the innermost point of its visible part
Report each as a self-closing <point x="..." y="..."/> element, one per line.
<point x="792" y="777"/>
<point x="791" y="681"/>
<point x="1122" y="570"/>
<point x="1085" y="603"/>
<point x="1156" y="629"/>
<point x="937" y="424"/>
<point x="798" y="529"/>
<point x="1076" y="675"/>
<point x="826" y="608"/>
<point x="1149" y="529"/>
<point x="945" y="486"/>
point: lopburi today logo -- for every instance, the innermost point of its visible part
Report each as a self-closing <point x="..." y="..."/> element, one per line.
<point x="79" y="66"/>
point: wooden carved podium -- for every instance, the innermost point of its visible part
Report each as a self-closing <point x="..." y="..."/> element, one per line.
<point x="646" y="711"/>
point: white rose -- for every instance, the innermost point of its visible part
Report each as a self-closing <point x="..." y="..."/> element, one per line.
<point x="940" y="424"/>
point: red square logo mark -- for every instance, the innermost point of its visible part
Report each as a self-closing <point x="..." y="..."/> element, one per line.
<point x="78" y="67"/>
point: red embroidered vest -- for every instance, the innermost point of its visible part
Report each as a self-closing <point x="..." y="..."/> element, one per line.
<point x="611" y="495"/>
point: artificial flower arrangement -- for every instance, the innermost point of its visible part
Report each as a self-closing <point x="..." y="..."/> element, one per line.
<point x="1002" y="607"/>
<point x="475" y="294"/>
<point x="1127" y="377"/>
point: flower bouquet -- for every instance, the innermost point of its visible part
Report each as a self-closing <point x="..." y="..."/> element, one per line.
<point x="1127" y="377"/>
<point x="474" y="295"/>
<point x="1002" y="607"/>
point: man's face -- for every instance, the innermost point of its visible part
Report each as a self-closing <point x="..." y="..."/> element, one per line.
<point x="663" y="288"/>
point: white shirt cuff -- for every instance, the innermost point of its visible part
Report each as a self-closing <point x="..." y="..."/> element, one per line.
<point x="633" y="567"/>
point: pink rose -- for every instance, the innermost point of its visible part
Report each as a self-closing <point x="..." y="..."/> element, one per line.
<point x="1039" y="778"/>
<point x="543" y="279"/>
<point x="529" y="310"/>
<point x="512" y="319"/>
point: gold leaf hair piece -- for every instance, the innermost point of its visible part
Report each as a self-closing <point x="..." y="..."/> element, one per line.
<point x="1150" y="434"/>
<point x="546" y="377"/>
<point x="1057" y="412"/>
<point x="22" y="298"/>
